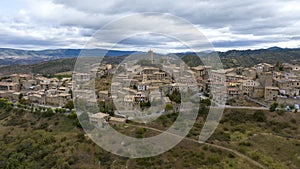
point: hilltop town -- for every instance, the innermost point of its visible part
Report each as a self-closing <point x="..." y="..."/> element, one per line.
<point x="36" y="89"/>
<point x="151" y="80"/>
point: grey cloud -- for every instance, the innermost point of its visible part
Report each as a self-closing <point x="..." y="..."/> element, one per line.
<point x="242" y="17"/>
<point x="265" y="22"/>
<point x="238" y="43"/>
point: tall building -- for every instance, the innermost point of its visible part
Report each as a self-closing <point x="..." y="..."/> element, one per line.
<point x="151" y="57"/>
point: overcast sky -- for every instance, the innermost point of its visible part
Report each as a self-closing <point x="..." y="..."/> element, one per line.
<point x="228" y="24"/>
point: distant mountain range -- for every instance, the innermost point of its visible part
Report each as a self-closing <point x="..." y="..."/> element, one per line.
<point x="24" y="57"/>
<point x="231" y="58"/>
<point x="246" y="58"/>
<point x="234" y="58"/>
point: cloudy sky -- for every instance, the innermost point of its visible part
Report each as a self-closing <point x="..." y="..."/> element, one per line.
<point x="229" y="24"/>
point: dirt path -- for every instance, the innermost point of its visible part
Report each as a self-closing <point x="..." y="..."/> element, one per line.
<point x="208" y="144"/>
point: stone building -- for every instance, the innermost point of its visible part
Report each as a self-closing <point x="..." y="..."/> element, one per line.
<point x="271" y="93"/>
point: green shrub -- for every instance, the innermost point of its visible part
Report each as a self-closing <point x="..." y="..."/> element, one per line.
<point x="48" y="113"/>
<point x="169" y="107"/>
<point x="140" y="132"/>
<point x="273" y="106"/>
<point x="259" y="116"/>
<point x="280" y="112"/>
<point x="247" y="144"/>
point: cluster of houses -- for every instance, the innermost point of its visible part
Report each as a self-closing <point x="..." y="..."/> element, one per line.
<point x="36" y="89"/>
<point x="133" y="84"/>
<point x="152" y="83"/>
<point x="263" y="82"/>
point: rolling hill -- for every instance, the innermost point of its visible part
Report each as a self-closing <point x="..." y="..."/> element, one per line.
<point x="25" y="57"/>
<point x="247" y="58"/>
<point x="55" y="61"/>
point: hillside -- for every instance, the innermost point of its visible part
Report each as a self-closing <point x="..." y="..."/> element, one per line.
<point x="51" y="67"/>
<point x="251" y="57"/>
<point x="46" y="68"/>
<point x="232" y="58"/>
<point x="244" y="139"/>
<point x="247" y="58"/>
<point x="26" y="57"/>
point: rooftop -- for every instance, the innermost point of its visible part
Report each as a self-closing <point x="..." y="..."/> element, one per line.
<point x="272" y="88"/>
<point x="99" y="115"/>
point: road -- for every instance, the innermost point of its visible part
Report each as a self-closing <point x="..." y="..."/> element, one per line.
<point x="235" y="107"/>
<point x="246" y="107"/>
<point x="256" y="101"/>
<point x="280" y="136"/>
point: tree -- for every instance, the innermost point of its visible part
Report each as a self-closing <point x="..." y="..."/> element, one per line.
<point x="175" y="96"/>
<point x="140" y="132"/>
<point x="145" y="104"/>
<point x="280" y="68"/>
<point x="277" y="64"/>
<point x="72" y="115"/>
<point x="22" y="101"/>
<point x="80" y="137"/>
<point x="109" y="107"/>
<point x="203" y="111"/>
<point x="20" y="96"/>
<point x="207" y="102"/>
<point x="69" y="105"/>
<point x="259" y="116"/>
<point x="60" y="110"/>
<point x="84" y="117"/>
<point x="273" y="107"/>
<point x="48" y="113"/>
<point x="71" y="93"/>
<point x="281" y="105"/>
<point x="169" y="107"/>
<point x="102" y="106"/>
<point x="6" y="105"/>
<point x="134" y="87"/>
